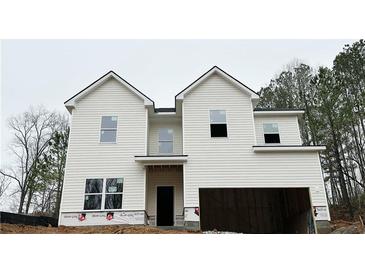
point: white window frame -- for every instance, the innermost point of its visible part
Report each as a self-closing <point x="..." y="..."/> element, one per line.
<point x="165" y="141"/>
<point x="278" y="131"/>
<point x="210" y="122"/>
<point x="103" y="194"/>
<point x="112" y="193"/>
<point x="108" y="129"/>
<point x="94" y="194"/>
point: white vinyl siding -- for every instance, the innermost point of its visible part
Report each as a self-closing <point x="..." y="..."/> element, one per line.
<point x="88" y="158"/>
<point x="231" y="162"/>
<point x="153" y="138"/>
<point x="288" y="128"/>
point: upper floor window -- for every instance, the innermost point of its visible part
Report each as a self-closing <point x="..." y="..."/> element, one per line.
<point x="96" y="195"/>
<point x="108" y="130"/>
<point x="271" y="133"/>
<point x="218" y="124"/>
<point x="165" y="140"/>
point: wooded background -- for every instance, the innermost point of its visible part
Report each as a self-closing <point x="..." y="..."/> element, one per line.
<point x="334" y="104"/>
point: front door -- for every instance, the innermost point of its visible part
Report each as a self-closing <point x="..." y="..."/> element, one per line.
<point x="165" y="206"/>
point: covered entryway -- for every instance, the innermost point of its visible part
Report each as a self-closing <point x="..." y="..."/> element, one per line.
<point x="164" y="195"/>
<point x="256" y="210"/>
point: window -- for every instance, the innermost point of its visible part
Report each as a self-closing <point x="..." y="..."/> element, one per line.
<point x="166" y="136"/>
<point x="218" y="124"/>
<point x="271" y="133"/>
<point x="94" y="194"/>
<point x="108" y="131"/>
<point x="114" y="193"/>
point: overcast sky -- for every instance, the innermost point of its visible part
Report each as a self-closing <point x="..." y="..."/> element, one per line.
<point x="48" y="72"/>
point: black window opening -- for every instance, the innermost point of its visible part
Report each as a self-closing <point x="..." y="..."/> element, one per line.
<point x="218" y="124"/>
<point x="218" y="130"/>
<point x="272" y="138"/>
<point x="271" y="133"/>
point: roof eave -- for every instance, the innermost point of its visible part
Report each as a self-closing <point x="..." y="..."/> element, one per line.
<point x="278" y="112"/>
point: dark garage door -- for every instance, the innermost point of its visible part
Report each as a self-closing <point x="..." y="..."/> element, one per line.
<point x="256" y="210"/>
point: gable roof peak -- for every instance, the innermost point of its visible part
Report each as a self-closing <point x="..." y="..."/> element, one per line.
<point x="70" y="103"/>
<point x="230" y="78"/>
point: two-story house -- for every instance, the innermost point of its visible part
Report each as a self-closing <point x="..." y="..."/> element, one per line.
<point x="213" y="161"/>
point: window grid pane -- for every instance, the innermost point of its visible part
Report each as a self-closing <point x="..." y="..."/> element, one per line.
<point x="166" y="134"/>
<point x="108" y="136"/>
<point x="165" y="147"/>
<point x="114" y="185"/>
<point x="113" y="201"/>
<point x="109" y="122"/>
<point x="271" y="128"/>
<point x="218" y="117"/>
<point x="92" y="202"/>
<point x="94" y="186"/>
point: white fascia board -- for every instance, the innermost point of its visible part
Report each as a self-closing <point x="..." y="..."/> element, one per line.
<point x="278" y="112"/>
<point x="288" y="148"/>
<point x="165" y="113"/>
<point x="225" y="76"/>
<point x="164" y="160"/>
<point x="71" y="103"/>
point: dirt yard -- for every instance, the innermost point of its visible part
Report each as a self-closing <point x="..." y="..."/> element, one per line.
<point x="337" y="227"/>
<point x="25" y="229"/>
<point x="346" y="227"/>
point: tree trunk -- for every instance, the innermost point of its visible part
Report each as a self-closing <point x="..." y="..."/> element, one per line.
<point x="58" y="199"/>
<point x="359" y="152"/>
<point x="21" y="202"/>
<point x="30" y="196"/>
<point x="341" y="176"/>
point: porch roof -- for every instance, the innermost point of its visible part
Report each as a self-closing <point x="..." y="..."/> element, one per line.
<point x="161" y="159"/>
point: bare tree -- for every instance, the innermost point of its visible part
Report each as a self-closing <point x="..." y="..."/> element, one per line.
<point x="32" y="131"/>
<point x="4" y="184"/>
<point x="47" y="197"/>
